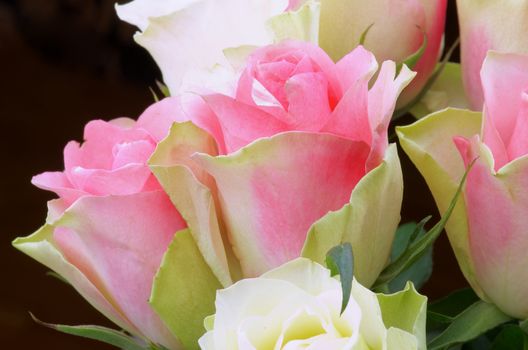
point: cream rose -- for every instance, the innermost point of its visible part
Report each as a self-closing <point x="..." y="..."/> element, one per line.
<point x="297" y="306"/>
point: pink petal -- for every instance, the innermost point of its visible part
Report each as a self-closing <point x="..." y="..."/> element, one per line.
<point x="497" y="205"/>
<point x="129" y="179"/>
<point x="381" y="104"/>
<point x="504" y="79"/>
<point x="518" y="146"/>
<point x="135" y="152"/>
<point x="294" y="4"/>
<point x="273" y="190"/>
<point x="297" y="51"/>
<point x="358" y="65"/>
<point x="58" y="182"/>
<point x="100" y="138"/>
<point x="159" y="117"/>
<point x="118" y="243"/>
<point x="308" y="102"/>
<point x="350" y="117"/>
<point x="242" y="123"/>
<point x="493" y="140"/>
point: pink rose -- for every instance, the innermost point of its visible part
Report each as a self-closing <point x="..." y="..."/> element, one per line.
<point x="302" y="137"/>
<point x="109" y="229"/>
<point x="489" y="25"/>
<point x="488" y="229"/>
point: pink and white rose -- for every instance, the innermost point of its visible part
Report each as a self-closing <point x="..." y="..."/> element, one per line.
<point x="303" y="150"/>
<point x="112" y="223"/>
<point x="488" y="228"/>
<point x="489" y="25"/>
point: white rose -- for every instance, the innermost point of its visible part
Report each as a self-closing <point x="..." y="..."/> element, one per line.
<point x="187" y="38"/>
<point x="297" y="306"/>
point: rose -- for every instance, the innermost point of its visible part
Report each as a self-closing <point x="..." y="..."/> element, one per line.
<point x="488" y="229"/>
<point x="170" y="30"/>
<point x="489" y="25"/>
<point x="302" y="150"/>
<point x="298" y="306"/>
<point x="397" y="31"/>
<point x="109" y="229"/>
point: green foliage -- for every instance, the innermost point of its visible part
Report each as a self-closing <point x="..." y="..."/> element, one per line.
<point x="474" y="321"/>
<point x="419" y="248"/>
<point x="363" y="36"/>
<point x="102" y="334"/>
<point x="419" y="272"/>
<point x="340" y="261"/>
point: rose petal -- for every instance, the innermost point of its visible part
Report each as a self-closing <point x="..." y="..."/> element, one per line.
<point x="439" y="161"/>
<point x="308" y="101"/>
<point x="40" y="246"/>
<point x="268" y="207"/>
<point x="242" y="123"/>
<point x="118" y="243"/>
<point x="504" y="79"/>
<point x="381" y="103"/>
<point x="496" y="207"/>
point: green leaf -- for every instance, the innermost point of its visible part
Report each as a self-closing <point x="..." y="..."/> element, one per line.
<point x="512" y="337"/>
<point x="363" y="36"/>
<point x="184" y="290"/>
<point x="340" y="261"/>
<point x="102" y="334"/>
<point x="481" y="343"/>
<point x="163" y="88"/>
<point x="474" y="321"/>
<point x="453" y="304"/>
<point x="441" y="313"/>
<point x="419" y="248"/>
<point x="413" y="59"/>
<point x="524" y="325"/>
<point x="421" y="270"/>
<point x="154" y="95"/>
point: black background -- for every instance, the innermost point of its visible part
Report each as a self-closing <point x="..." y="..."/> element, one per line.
<point x="63" y="63"/>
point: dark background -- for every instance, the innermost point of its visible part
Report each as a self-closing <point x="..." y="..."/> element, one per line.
<point x="63" y="63"/>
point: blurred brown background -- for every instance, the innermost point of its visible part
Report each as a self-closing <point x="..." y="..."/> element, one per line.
<point x="63" y="63"/>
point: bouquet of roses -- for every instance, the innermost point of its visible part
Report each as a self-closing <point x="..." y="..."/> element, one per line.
<point x="256" y="205"/>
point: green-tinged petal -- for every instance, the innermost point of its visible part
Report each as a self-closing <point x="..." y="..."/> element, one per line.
<point x="405" y="310"/>
<point x="372" y="328"/>
<point x="209" y="322"/>
<point x="368" y="222"/>
<point x="305" y="274"/>
<point x="447" y="91"/>
<point x="302" y="24"/>
<point x="237" y="56"/>
<point x="401" y="340"/>
<point x="40" y="246"/>
<point x="189" y="188"/>
<point x="395" y="31"/>
<point x="184" y="290"/>
<point x="429" y="144"/>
